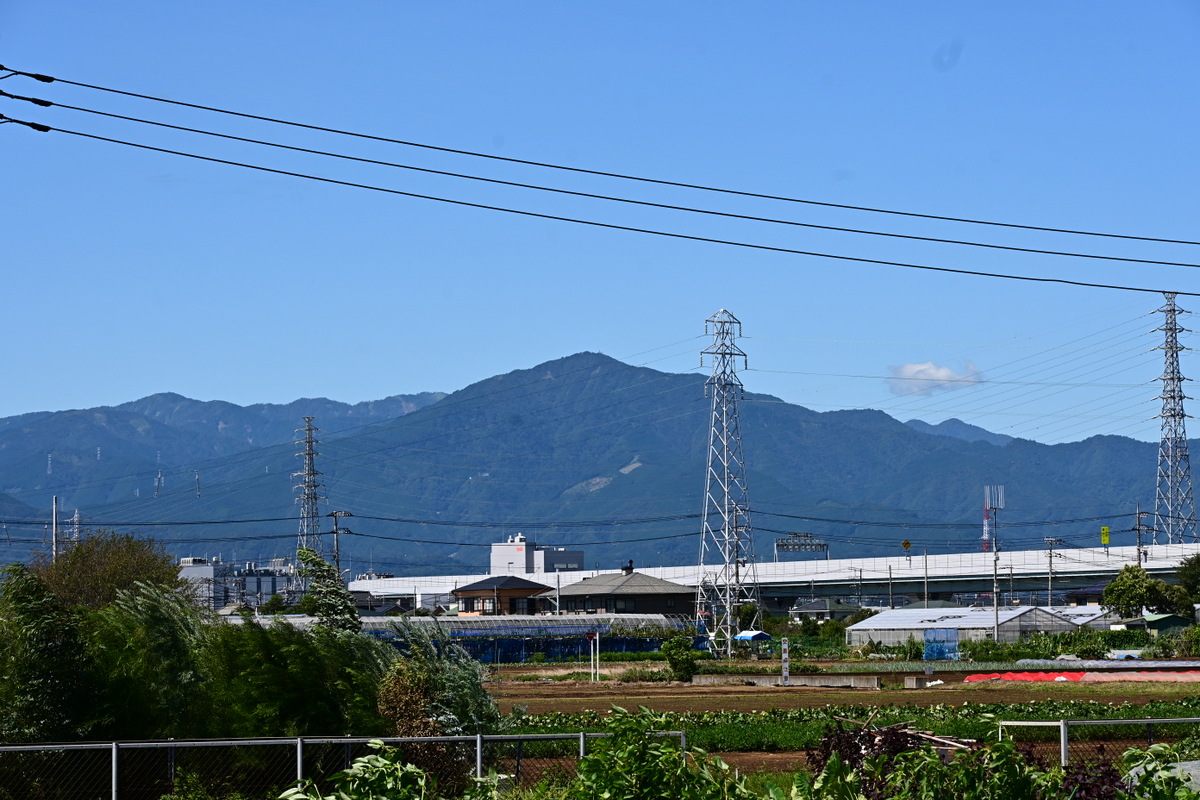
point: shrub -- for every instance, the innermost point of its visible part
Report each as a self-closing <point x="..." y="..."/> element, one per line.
<point x="642" y="675"/>
<point x="681" y="658"/>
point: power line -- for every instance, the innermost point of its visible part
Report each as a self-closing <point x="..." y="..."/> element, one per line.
<point x="581" y="170"/>
<point x="610" y="198"/>
<point x="595" y="223"/>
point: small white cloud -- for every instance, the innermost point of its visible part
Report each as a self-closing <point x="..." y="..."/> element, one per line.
<point x="927" y="378"/>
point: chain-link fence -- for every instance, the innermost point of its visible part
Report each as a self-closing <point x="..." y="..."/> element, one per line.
<point x="1080" y="741"/>
<point x="262" y="768"/>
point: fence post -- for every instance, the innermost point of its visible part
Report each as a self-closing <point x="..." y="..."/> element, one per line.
<point x="582" y="745"/>
<point x="115" y="750"/>
<point x="683" y="740"/>
<point x="479" y="755"/>
<point x="299" y="758"/>
<point x="1062" y="740"/>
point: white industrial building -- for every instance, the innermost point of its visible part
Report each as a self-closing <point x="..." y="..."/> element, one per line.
<point x="896" y="626"/>
<point x="519" y="556"/>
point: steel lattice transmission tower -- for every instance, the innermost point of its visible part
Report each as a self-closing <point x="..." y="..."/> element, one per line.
<point x="309" y="486"/>
<point x="1175" y="508"/>
<point x="728" y="575"/>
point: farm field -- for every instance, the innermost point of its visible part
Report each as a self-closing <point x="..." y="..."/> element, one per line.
<point x="545" y="696"/>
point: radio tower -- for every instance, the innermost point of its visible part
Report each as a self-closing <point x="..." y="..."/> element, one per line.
<point x="726" y="544"/>
<point x="310" y="515"/>
<point x="1175" y="508"/>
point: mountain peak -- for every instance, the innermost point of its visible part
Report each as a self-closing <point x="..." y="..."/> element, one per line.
<point x="957" y="429"/>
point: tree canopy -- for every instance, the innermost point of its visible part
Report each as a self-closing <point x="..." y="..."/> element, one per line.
<point x="138" y="659"/>
<point x="1133" y="590"/>
<point x="92" y="571"/>
<point x="330" y="600"/>
<point x="1187" y="575"/>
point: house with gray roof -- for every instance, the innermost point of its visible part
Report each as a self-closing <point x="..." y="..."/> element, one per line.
<point x="625" y="592"/>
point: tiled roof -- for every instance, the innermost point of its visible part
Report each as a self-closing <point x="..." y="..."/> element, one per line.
<point x="621" y="584"/>
<point x="505" y="582"/>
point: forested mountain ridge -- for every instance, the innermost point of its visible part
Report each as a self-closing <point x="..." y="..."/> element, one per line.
<point x="583" y="451"/>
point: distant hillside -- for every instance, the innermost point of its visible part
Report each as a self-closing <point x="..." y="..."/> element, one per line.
<point x="97" y="457"/>
<point x="583" y="451"/>
<point x="959" y="430"/>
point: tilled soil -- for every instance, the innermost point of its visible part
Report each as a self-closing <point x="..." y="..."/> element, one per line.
<point x="543" y="696"/>
<point x="547" y="695"/>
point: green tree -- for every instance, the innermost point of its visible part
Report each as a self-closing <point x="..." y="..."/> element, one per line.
<point x="747" y="617"/>
<point x="435" y="686"/>
<point x="331" y="601"/>
<point x="832" y="630"/>
<point x="681" y="657"/>
<point x="275" y="605"/>
<point x="278" y="680"/>
<point x="1134" y="590"/>
<point x="809" y="627"/>
<point x="1187" y="575"/>
<point x="1126" y="594"/>
<point x="47" y="681"/>
<point x="92" y="571"/>
<point x="147" y="645"/>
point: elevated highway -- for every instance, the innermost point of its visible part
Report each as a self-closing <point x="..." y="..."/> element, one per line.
<point x="917" y="576"/>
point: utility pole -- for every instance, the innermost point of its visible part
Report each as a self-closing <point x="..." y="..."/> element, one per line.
<point x="1051" y="541"/>
<point x="1175" y="508"/>
<point x="927" y="577"/>
<point x="891" y="597"/>
<point x="993" y="501"/>
<point x="337" y="554"/>
<point x="1138" y="527"/>
<point x="725" y="524"/>
<point x="54" y="531"/>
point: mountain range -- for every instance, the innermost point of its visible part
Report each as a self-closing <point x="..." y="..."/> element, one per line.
<point x="584" y="452"/>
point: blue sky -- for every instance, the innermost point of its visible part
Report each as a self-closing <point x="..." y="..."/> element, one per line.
<point x="130" y="272"/>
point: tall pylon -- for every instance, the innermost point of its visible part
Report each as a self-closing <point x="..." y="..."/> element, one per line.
<point x="309" y="487"/>
<point x="1175" y="507"/>
<point x="729" y="576"/>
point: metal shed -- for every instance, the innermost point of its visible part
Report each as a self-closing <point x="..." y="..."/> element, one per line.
<point x="896" y="626"/>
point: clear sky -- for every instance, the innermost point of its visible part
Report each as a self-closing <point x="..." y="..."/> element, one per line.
<point x="128" y="272"/>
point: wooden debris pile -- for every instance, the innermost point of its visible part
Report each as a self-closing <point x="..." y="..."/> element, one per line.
<point x="945" y="745"/>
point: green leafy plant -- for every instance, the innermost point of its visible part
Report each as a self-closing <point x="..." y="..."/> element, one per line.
<point x="383" y="775"/>
<point x="634" y="764"/>
<point x="681" y="657"/>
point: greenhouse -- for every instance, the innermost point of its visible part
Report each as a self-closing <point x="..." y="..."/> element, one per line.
<point x="896" y="626"/>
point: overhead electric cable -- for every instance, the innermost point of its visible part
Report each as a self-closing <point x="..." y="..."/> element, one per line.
<point x="581" y="170"/>
<point x="610" y="198"/>
<point x="607" y="225"/>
